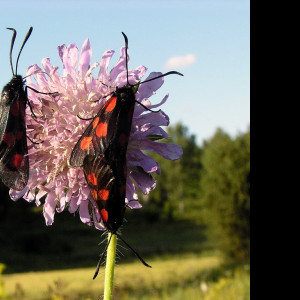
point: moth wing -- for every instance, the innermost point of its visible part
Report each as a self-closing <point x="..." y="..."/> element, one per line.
<point x="14" y="164"/>
<point x="4" y="113"/>
<point x="98" y="135"/>
<point x="106" y="192"/>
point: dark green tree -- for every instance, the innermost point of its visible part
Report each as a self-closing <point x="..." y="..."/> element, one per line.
<point x="225" y="182"/>
<point x="179" y="180"/>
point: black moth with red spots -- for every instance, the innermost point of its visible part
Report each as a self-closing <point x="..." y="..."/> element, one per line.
<point x="101" y="151"/>
<point x="14" y="166"/>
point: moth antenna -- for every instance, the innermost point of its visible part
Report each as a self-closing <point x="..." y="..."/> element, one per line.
<point x="126" y="56"/>
<point x="166" y="74"/>
<point x="34" y="74"/>
<point x="101" y="257"/>
<point x="11" y="47"/>
<point x="144" y="263"/>
<point x="24" y="42"/>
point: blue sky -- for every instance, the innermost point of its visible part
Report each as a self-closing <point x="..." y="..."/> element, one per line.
<point x="210" y="41"/>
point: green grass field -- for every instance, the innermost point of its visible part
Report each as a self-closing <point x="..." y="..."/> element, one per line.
<point x="177" y="277"/>
<point x="54" y="263"/>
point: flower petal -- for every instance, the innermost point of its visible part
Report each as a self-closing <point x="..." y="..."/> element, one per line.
<point x="138" y="158"/>
<point x="132" y="195"/>
<point x="144" y="181"/>
<point x="119" y="67"/>
<point x="168" y="151"/>
<point x="152" y="119"/>
<point x="49" y="208"/>
<point x="106" y="57"/>
<point x="84" y="211"/>
<point x="147" y="89"/>
<point x="15" y="195"/>
<point x="85" y="58"/>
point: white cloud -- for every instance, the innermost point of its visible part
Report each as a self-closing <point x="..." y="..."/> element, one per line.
<point x="180" y="61"/>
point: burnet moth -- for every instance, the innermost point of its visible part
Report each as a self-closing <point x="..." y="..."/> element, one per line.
<point x="14" y="165"/>
<point x="101" y="150"/>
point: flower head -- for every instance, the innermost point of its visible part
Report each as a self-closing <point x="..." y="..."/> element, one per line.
<point x="57" y="127"/>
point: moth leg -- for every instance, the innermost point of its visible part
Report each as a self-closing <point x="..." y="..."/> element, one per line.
<point x="36" y="143"/>
<point x="155" y="111"/>
<point x="26" y="92"/>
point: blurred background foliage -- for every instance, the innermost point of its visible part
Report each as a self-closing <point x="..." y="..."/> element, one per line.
<point x="209" y="186"/>
<point x="201" y="205"/>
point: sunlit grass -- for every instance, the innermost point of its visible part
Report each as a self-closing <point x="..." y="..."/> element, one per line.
<point x="130" y="279"/>
<point x="234" y="286"/>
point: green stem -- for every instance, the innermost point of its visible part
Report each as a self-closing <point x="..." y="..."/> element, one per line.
<point x="110" y="265"/>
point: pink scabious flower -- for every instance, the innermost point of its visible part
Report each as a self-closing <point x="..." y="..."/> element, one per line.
<point x="56" y="129"/>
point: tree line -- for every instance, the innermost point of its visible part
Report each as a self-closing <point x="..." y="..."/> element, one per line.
<point x="210" y="185"/>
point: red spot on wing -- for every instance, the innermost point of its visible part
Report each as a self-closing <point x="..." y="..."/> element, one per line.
<point x="104" y="214"/>
<point x="9" y="138"/>
<point x="17" y="160"/>
<point x="92" y="179"/>
<point x="111" y="104"/>
<point x="86" y="143"/>
<point x="103" y="194"/>
<point x="95" y="122"/>
<point x="101" y="129"/>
